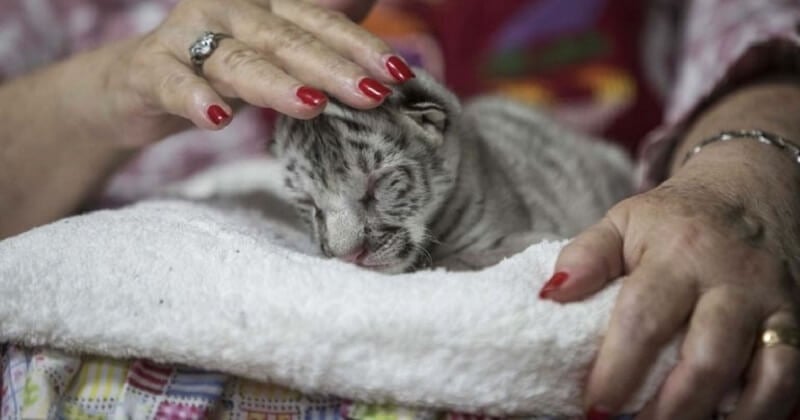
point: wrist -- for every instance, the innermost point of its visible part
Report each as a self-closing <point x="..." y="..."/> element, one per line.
<point x="753" y="172"/>
<point x="763" y="168"/>
<point x="89" y="92"/>
<point x="764" y="106"/>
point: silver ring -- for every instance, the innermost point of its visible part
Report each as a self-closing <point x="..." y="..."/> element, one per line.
<point x="204" y="47"/>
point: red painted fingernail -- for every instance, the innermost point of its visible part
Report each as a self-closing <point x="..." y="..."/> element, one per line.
<point x="399" y="69"/>
<point x="596" y="413"/>
<point x="374" y="89"/>
<point x="216" y="114"/>
<point x="311" y="96"/>
<point x="553" y="284"/>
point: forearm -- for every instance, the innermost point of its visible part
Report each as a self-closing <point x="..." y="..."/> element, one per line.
<point x="57" y="140"/>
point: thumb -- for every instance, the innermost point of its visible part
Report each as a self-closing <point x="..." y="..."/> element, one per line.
<point x="586" y="264"/>
<point x="356" y="10"/>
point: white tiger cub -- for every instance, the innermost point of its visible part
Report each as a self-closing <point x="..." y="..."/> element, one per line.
<point x="420" y="181"/>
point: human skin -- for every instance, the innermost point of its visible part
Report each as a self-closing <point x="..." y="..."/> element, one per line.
<point x="67" y="126"/>
<point x="713" y="251"/>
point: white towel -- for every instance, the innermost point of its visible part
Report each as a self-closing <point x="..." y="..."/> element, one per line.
<point x="215" y="283"/>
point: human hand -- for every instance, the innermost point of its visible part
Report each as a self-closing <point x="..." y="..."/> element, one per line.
<point x="281" y="54"/>
<point x="713" y="252"/>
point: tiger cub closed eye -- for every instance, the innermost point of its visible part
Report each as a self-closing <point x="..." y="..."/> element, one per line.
<point x="419" y="181"/>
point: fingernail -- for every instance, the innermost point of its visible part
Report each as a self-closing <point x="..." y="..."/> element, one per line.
<point x="553" y="284"/>
<point x="373" y="89"/>
<point x="216" y="114"/>
<point x="311" y="96"/>
<point x="597" y="413"/>
<point x="399" y="69"/>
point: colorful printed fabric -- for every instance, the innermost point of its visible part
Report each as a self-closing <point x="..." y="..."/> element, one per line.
<point x="47" y="384"/>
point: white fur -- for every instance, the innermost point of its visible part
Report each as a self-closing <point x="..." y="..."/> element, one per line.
<point x="192" y="283"/>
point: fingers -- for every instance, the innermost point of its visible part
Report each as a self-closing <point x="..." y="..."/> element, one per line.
<point x="181" y="92"/>
<point x="305" y="57"/>
<point x="586" y="264"/>
<point x="237" y="70"/>
<point x="653" y="304"/>
<point x="714" y="353"/>
<point x="351" y="41"/>
<point x="773" y="379"/>
<point x="283" y="55"/>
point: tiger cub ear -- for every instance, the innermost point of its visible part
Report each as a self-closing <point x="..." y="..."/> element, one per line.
<point x="428" y="107"/>
<point x="430" y="120"/>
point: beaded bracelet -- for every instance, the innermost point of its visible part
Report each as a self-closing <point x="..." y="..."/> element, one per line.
<point x="762" y="137"/>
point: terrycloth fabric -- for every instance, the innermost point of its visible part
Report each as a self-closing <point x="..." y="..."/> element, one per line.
<point x="219" y="284"/>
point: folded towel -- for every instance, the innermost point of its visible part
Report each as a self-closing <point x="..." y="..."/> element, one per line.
<point x="227" y="282"/>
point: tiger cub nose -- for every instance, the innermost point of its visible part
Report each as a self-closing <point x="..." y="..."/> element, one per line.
<point x="356" y="255"/>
